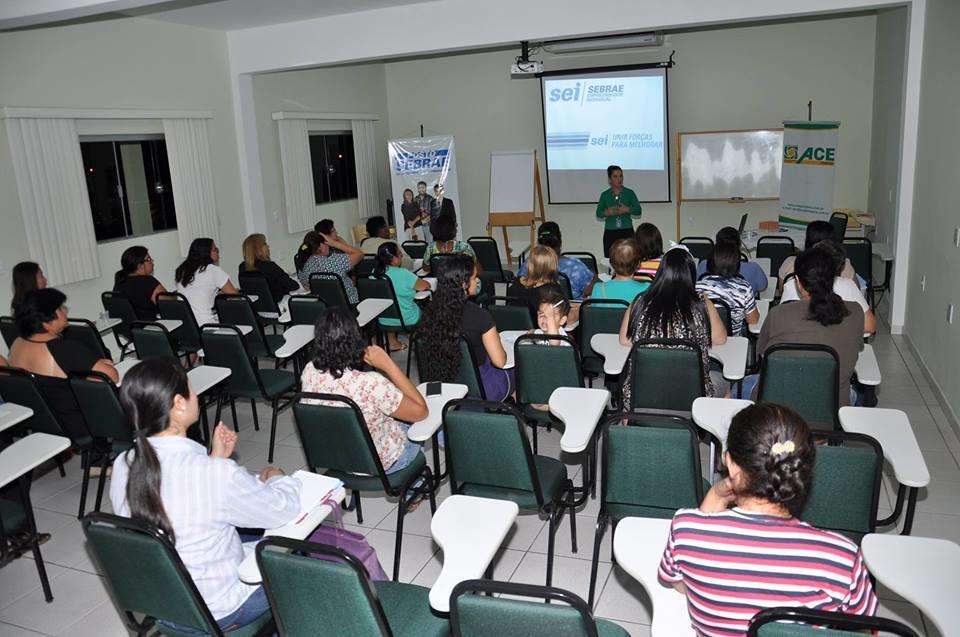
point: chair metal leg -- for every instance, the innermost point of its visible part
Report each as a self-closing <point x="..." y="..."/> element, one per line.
<point x="398" y="543"/>
<point x="63" y="473"/>
<point x="273" y="429"/>
<point x="534" y="438"/>
<point x="595" y="563"/>
<point x="572" y="511"/>
<point x="551" y="541"/>
<point x="102" y="480"/>
<point x="216" y="417"/>
<point x="356" y="499"/>
<point x="233" y="412"/>
<point x="432" y="493"/>
<point x="85" y="460"/>
<point x="256" y="419"/>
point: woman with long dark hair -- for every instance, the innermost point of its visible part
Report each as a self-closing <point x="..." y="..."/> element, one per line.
<point x="744" y="549"/>
<point x="405" y="285"/>
<point x="256" y="258"/>
<point x="326" y="253"/>
<point x="201" y="279"/>
<point x="27" y="276"/>
<point x="671" y="308"/>
<point x="135" y="281"/>
<point x="452" y="313"/>
<point x="198" y="499"/>
<point x="722" y="281"/>
<point x="650" y="245"/>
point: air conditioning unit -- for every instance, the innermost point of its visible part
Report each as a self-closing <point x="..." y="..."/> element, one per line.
<point x="635" y="40"/>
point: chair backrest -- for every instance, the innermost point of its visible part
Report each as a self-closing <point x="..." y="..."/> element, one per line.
<point x="599" y="316"/>
<point x="839" y="222"/>
<point x="586" y="258"/>
<point x="667" y="374"/>
<point x="804" y="377"/>
<point x="469" y="372"/>
<point x="305" y="309"/>
<point x="381" y="287"/>
<point x="84" y="331"/>
<point x="414" y="249"/>
<point x="806" y="622"/>
<point x="223" y="346"/>
<point x="152" y="340"/>
<point x="292" y="576"/>
<point x="145" y="573"/>
<point x="100" y="405"/>
<point x="334" y="435"/>
<point x="777" y="249"/>
<point x="564" y="282"/>
<point x="236" y="309"/>
<point x="845" y="490"/>
<point x="486" y="445"/>
<point x="543" y="363"/>
<point x="20" y="386"/>
<point x="119" y="306"/>
<point x="651" y="467"/>
<point x="860" y="252"/>
<point x="9" y="330"/>
<point x="366" y="266"/>
<point x="175" y="306"/>
<point x="723" y="310"/>
<point x="255" y="283"/>
<point x="700" y="247"/>
<point x="512" y="315"/>
<point x="488" y="254"/>
<point x="474" y="610"/>
<point x="330" y="288"/>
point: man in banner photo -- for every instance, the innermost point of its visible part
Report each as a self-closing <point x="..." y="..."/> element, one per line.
<point x="806" y="180"/>
<point x="421" y="168"/>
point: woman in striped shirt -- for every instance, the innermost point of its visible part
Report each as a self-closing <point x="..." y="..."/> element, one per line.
<point x="734" y="562"/>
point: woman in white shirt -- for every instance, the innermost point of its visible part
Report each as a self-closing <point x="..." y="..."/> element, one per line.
<point x="157" y="482"/>
<point x="200" y="279"/>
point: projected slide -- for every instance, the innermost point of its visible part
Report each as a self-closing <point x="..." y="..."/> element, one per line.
<point x="596" y="118"/>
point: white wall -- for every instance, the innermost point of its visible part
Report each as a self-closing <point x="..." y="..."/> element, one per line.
<point x="748" y="77"/>
<point x="134" y="64"/>
<point x="933" y="254"/>
<point x="358" y="89"/>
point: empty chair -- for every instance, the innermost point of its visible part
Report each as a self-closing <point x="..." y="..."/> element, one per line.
<point x="488" y="255"/>
<point x="416" y="249"/>
<point x="236" y="309"/>
<point x="305" y="309"/>
<point x="777" y="249"/>
<point x="803" y="377"/>
<point x="700" y="247"/>
<point x="119" y="306"/>
<point x="806" y="622"/>
<point x="151" y="340"/>
<point x="598" y="316"/>
<point x="330" y="288"/>
<point x="255" y="283"/>
<point x="839" y="222"/>
<point x="175" y="306"/>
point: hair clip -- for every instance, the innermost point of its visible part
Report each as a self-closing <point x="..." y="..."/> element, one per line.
<point x="780" y="448"/>
<point x="304" y="247"/>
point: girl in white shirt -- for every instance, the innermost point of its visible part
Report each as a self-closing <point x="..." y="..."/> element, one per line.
<point x="200" y="279"/>
<point x="157" y="482"/>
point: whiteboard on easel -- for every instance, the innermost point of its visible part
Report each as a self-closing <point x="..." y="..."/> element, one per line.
<point x="512" y="177"/>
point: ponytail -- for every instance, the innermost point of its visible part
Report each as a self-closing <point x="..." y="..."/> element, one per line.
<point x="816" y="271"/>
<point x="130" y="260"/>
<point x="386" y="253"/>
<point x="311" y="241"/>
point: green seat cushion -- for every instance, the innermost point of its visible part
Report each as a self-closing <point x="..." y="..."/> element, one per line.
<point x="609" y="629"/>
<point x="407" y="608"/>
<point x="541" y="417"/>
<point x="372" y="483"/>
<point x="277" y="381"/>
<point x="249" y="630"/>
<point x="552" y="475"/>
<point x="12" y="516"/>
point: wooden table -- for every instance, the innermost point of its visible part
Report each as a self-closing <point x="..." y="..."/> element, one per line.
<point x="470" y="531"/>
<point x="369" y="309"/>
<point x="429" y="427"/>
<point x="12" y="414"/>
<point x="732" y="355"/>
<point x="924" y="571"/>
<point x="638" y="546"/>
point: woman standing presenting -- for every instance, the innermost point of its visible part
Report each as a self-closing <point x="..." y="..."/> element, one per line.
<point x="617" y="204"/>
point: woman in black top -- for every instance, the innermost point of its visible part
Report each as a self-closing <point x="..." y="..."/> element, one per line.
<point x="27" y="276"/>
<point x="256" y="258"/>
<point x="135" y="281"/>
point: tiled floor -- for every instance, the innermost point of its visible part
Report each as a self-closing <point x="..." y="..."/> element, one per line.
<point x="82" y="605"/>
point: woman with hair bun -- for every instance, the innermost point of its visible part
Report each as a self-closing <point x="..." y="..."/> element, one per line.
<point x="745" y="549"/>
<point x="405" y="285"/>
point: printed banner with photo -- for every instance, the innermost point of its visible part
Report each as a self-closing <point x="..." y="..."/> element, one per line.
<point x="423" y="182"/>
<point x="806" y="181"/>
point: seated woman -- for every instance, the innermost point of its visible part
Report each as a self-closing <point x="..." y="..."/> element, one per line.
<point x="385" y="398"/>
<point x="817" y="231"/>
<point x="729" y="555"/>
<point x="445" y="241"/>
<point x="27" y="276"/>
<point x="819" y="317"/>
<point x="256" y="258"/>
<point x="405" y="285"/>
<point x="378" y="233"/>
<point x="624" y="257"/>
<point x="156" y="482"/>
<point x="748" y="270"/>
<point x="452" y="313"/>
<point x="650" y="245"/>
<point x="320" y="253"/>
<point x="135" y="281"/>
<point x="672" y="309"/>
<point x="200" y="279"/>
<point x="41" y="318"/>
<point x="723" y="281"/>
<point x="582" y="278"/>
<point x="541" y="270"/>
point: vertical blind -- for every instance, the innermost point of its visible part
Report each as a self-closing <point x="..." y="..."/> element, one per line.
<point x="297" y="174"/>
<point x="191" y="176"/>
<point x="365" y="152"/>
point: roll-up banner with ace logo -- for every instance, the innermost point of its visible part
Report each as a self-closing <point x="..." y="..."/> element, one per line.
<point x="806" y="181"/>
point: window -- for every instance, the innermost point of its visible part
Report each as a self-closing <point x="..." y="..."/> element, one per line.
<point x="334" y="171"/>
<point x="128" y="181"/>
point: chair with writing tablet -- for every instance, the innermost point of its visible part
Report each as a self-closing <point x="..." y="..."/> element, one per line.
<point x="119" y="306"/>
<point x="839" y="222"/>
<point x="700" y="247"/>
<point x="414" y="249"/>
<point x="598" y="316"/>
<point x="175" y="306"/>
<point x="777" y="249"/>
<point x="305" y="309"/>
<point x="667" y="374"/>
<point x="254" y="283"/>
<point x="512" y="315"/>
<point x="804" y="377"/>
<point x="790" y="621"/>
<point x="330" y="288"/>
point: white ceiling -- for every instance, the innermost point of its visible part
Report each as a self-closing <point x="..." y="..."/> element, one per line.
<point x="230" y="15"/>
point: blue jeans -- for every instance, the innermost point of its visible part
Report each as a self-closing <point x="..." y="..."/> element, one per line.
<point x="408" y="455"/>
<point x="250" y="610"/>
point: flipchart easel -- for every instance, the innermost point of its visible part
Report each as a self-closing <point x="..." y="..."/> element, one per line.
<point x="515" y="193"/>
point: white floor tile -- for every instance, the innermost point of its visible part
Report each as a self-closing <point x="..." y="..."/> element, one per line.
<point x="75" y="594"/>
<point x="103" y="621"/>
<point x="9" y="630"/>
<point x="20" y="577"/>
<point x="415" y="554"/>
<point x="570" y="574"/>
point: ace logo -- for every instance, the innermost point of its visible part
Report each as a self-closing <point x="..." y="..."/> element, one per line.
<point x="814" y="155"/>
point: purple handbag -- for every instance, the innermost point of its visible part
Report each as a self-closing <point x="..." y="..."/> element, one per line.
<point x="350" y="542"/>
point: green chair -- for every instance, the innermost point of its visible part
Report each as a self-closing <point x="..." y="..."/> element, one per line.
<point x="414" y="249"/>
<point x="804" y="377"/>
<point x="564" y="282"/>
<point x="510" y="315"/>
<point x="255" y="283"/>
<point x="366" y="266"/>
<point x="488" y="456"/>
<point x="146" y="577"/>
<point x="175" y="306"/>
<point x="651" y="468"/>
<point x="666" y="373"/>
<point x="777" y="249"/>
<point x="700" y="247"/>
<point x="329" y="287"/>
<point x="9" y="330"/>
<point x="598" y="316"/>
<point x="223" y="346"/>
<point x="112" y="434"/>
<point x="152" y="340"/>
<point x="860" y="252"/>
<point x="305" y="309"/>
<point x="723" y="310"/>
<point x="85" y="332"/>
<point x="851" y="465"/>
<point x="351" y="606"/>
<point x="381" y="287"/>
<point x="467" y="374"/>
<point x="839" y="222"/>
<point x="806" y="622"/>
<point x="586" y="258"/>
<point x="475" y="611"/>
<point x="335" y="437"/>
<point x="488" y="256"/>
<point x="119" y="306"/>
<point x="237" y="309"/>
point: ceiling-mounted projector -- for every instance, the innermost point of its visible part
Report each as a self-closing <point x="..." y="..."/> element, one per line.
<point x="600" y="44"/>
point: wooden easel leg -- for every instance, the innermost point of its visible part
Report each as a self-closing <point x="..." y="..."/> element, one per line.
<point x="506" y="244"/>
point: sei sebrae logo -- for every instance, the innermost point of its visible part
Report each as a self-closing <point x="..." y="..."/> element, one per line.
<point x="587" y="92"/>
